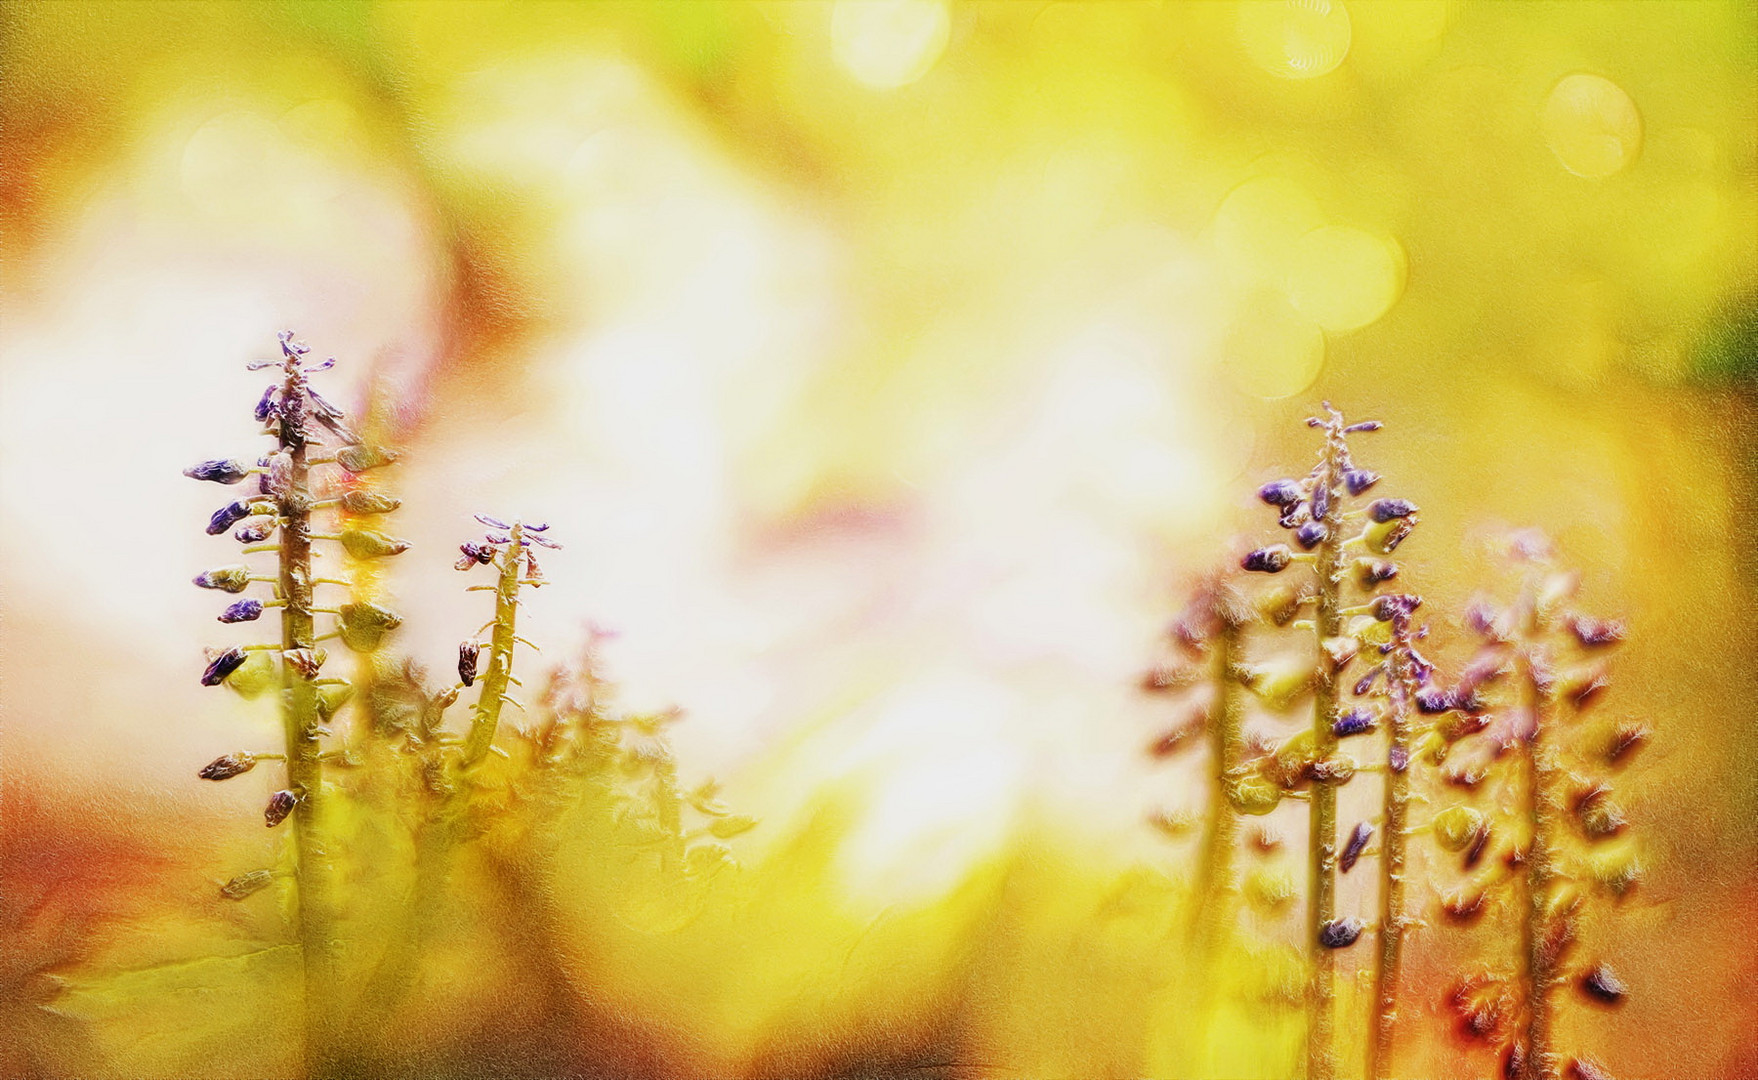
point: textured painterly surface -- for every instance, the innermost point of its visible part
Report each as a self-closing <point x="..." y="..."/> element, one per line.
<point x="891" y="371"/>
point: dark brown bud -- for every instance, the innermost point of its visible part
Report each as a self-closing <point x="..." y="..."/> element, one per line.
<point x="1340" y="933"/>
<point x="281" y="803"/>
<point x="468" y="654"/>
<point x="1603" y="985"/>
<point x="228" y="766"/>
<point x="307" y="662"/>
<point x="223" y="665"/>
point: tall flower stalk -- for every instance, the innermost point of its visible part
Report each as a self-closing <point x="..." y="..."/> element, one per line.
<point x="1316" y="512"/>
<point x="1569" y="831"/>
<point x="279" y="519"/>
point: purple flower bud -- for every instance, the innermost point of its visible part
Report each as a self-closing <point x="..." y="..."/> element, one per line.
<point x="1594" y="633"/>
<point x="1394" y="605"/>
<point x="1398" y="759"/>
<point x="1365" y="425"/>
<point x="1359" y="480"/>
<point x="256" y="530"/>
<point x="1320" y="502"/>
<point x="468" y="654"/>
<point x="474" y="554"/>
<point x="1357" y="844"/>
<point x="225" y="768"/>
<point x="289" y="348"/>
<point x="1292" y="517"/>
<point x="227" y="516"/>
<point x="1384" y="510"/>
<point x="220" y="471"/>
<point x="1280" y="493"/>
<point x="265" y="406"/>
<point x="232" y="579"/>
<point x="242" y="611"/>
<point x="1433" y="699"/>
<point x="223" y="665"/>
<point x="1353" y="722"/>
<point x="1340" y="933"/>
<point x="1270" y="560"/>
<point x="1311" y="535"/>
<point x="281" y="803"/>
<point x="1365" y="683"/>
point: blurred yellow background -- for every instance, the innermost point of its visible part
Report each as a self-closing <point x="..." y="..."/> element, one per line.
<point x="888" y="366"/>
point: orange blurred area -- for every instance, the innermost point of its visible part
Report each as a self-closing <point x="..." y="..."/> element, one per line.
<point x="890" y="370"/>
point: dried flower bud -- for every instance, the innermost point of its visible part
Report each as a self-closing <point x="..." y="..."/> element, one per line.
<point x="1270" y="560"/>
<point x="1357" y="481"/>
<point x="219" y="471"/>
<point x="1365" y="683"/>
<point x="307" y="662"/>
<point x="1353" y="722"/>
<point x="1583" y="687"/>
<point x="265" y="405"/>
<point x="1385" y="537"/>
<point x="228" y="766"/>
<point x="281" y="803"/>
<point x="1457" y="827"/>
<point x="364" y="625"/>
<point x="280" y="473"/>
<point x="1334" y="769"/>
<point x="1384" y="510"/>
<point x="1433" y="699"/>
<point x="1464" y="906"/>
<point x="1398" y="759"/>
<point x="1311" y="535"/>
<point x="1254" y="795"/>
<point x="363" y="503"/>
<point x="367" y="544"/>
<point x="1457" y="725"/>
<point x="223" y="665"/>
<point x="1358" y="838"/>
<point x="1624" y="740"/>
<point x="358" y="459"/>
<point x="256" y="530"/>
<point x="242" y="611"/>
<point x="227" y="516"/>
<point x="1292" y="517"/>
<point x="1280" y="492"/>
<point x="1370" y="572"/>
<point x="474" y="554"/>
<point x="1340" y="933"/>
<point x="446" y="698"/>
<point x="1595" y="633"/>
<point x="468" y="654"/>
<point x="1600" y="817"/>
<point x="1602" y="984"/>
<point x="331" y="697"/>
<point x="246" y="884"/>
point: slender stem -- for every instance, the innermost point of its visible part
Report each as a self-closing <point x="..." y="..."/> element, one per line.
<point x="315" y="910"/>
<point x="1321" y="1062"/>
<point x="1539" y="954"/>
<point x="1394" y="821"/>
<point x="500" y="659"/>
<point x="1218" y="888"/>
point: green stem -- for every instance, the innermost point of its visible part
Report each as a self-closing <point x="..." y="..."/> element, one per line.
<point x="500" y="659"/>
<point x="315" y="903"/>
<point x="1321" y="1062"/>
<point x="1394" y="821"/>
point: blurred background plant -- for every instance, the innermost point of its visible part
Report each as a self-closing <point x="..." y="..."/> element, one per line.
<point x="884" y="366"/>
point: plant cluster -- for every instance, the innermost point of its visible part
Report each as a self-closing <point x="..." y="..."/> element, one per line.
<point x="1377" y="706"/>
<point x="473" y="791"/>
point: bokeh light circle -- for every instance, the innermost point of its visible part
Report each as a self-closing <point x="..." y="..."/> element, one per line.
<point x="1259" y="222"/>
<point x="1295" y="39"/>
<point x="886" y="44"/>
<point x="1592" y="126"/>
<point x="1272" y="351"/>
<point x="1344" y="278"/>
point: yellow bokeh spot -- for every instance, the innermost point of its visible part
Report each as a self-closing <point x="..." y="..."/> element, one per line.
<point x="1295" y="39"/>
<point x="1592" y="126"/>
<point x="1272" y="351"/>
<point x="1344" y="278"/>
<point x="886" y="44"/>
<point x="1260" y="221"/>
